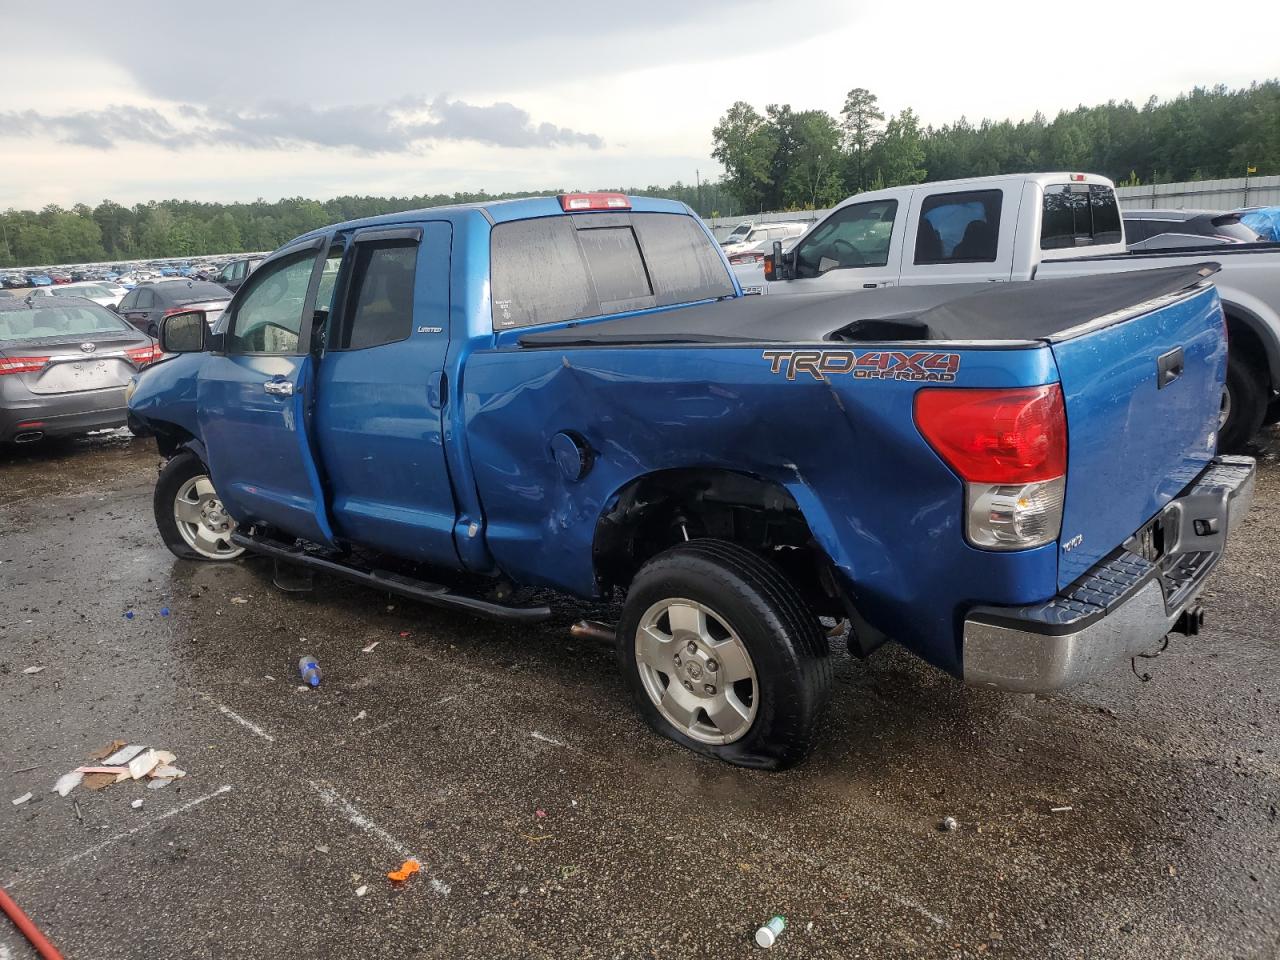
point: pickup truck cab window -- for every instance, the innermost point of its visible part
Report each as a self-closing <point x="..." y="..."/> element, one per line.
<point x="1079" y="215"/>
<point x="269" y="317"/>
<point x="856" y="236"/>
<point x="552" y="269"/>
<point x="959" y="227"/>
<point x="380" y="296"/>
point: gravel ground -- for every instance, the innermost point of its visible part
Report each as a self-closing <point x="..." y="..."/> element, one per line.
<point x="548" y="820"/>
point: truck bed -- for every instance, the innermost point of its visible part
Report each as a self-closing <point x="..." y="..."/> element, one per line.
<point x="967" y="313"/>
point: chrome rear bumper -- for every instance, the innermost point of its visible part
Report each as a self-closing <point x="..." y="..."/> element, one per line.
<point x="1122" y="607"/>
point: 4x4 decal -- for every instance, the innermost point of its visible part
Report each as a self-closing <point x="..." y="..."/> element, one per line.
<point x="921" y="365"/>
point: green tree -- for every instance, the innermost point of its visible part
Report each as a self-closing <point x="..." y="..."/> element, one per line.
<point x="813" y="173"/>
<point x="745" y="147"/>
<point x="860" y="123"/>
<point x="898" y="158"/>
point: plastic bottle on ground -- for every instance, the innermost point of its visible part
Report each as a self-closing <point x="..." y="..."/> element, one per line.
<point x="310" y="670"/>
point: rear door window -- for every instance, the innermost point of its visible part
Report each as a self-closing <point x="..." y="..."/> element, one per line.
<point x="380" y="296"/>
<point x="959" y="227"/>
<point x="554" y="269"/>
<point x="1079" y="215"/>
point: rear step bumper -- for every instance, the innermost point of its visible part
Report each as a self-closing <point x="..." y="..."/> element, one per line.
<point x="423" y="590"/>
<point x="1124" y="605"/>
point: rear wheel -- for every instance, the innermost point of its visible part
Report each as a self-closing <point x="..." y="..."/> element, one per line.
<point x="191" y="518"/>
<point x="1244" y="404"/>
<point x="722" y="655"/>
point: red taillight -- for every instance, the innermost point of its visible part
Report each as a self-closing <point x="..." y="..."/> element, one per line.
<point x="575" y="202"/>
<point x="22" y="364"/>
<point x="997" y="436"/>
<point x="141" y="356"/>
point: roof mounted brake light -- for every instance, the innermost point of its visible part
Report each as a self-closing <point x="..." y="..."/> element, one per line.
<point x="576" y="202"/>
<point x="1077" y="177"/>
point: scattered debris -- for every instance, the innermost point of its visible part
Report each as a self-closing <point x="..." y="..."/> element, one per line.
<point x="569" y="871"/>
<point x="539" y="813"/>
<point x="239" y="600"/>
<point x="948" y="824"/>
<point x="1060" y="809"/>
<point x="309" y="668"/>
<point x="362" y="890"/>
<point x="362" y="715"/>
<point x="107" y="751"/>
<point x="407" y="870"/>
<point x="128" y="614"/>
<point x="322" y="848"/>
<point x="117" y="762"/>
<point x="137" y="804"/>
<point x="143" y="764"/>
<point x="123" y="755"/>
<point x="368" y="648"/>
<point x="68" y="782"/>
<point x="267" y="676"/>
<point x="545" y="739"/>
<point x="768" y="935"/>
<point x="32" y="670"/>
<point x="164" y="611"/>
<point x="19" y="801"/>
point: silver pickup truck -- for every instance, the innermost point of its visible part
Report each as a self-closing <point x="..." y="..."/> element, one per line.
<point x="1033" y="226"/>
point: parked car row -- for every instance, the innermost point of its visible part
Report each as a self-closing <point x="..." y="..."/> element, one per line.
<point x="230" y="271"/>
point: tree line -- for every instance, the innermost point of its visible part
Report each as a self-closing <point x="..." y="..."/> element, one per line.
<point x="781" y="159"/>
<point x="787" y="159"/>
<point x="111" y="232"/>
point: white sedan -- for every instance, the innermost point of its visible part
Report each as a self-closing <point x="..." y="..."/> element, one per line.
<point x="102" y="292"/>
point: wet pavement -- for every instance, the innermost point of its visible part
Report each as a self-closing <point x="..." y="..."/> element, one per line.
<point x="549" y="821"/>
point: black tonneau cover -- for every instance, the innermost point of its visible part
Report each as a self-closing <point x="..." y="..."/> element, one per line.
<point x="1029" y="310"/>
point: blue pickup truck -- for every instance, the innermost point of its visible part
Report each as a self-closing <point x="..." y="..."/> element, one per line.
<point x="477" y="405"/>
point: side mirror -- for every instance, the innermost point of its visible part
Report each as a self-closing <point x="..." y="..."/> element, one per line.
<point x="777" y="266"/>
<point x="184" y="333"/>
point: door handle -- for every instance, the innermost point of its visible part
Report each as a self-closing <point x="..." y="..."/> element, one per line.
<point x="1169" y="367"/>
<point x="279" y="388"/>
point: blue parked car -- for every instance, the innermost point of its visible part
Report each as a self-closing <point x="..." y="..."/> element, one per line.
<point x="469" y="404"/>
<point x="35" y="279"/>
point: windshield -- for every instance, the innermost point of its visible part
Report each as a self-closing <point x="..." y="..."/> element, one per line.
<point x="69" y="320"/>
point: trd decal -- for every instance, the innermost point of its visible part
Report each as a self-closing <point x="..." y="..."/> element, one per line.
<point x="872" y="365"/>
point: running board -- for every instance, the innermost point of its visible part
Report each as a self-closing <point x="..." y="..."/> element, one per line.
<point x="424" y="590"/>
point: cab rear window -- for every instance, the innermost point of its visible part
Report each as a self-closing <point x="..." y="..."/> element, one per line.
<point x="554" y="269"/>
<point x="1079" y="215"/>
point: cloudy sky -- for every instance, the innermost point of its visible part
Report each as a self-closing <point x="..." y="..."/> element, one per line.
<point x="419" y="96"/>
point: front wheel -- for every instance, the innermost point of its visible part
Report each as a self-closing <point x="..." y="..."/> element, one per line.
<point x="192" y="521"/>
<point x="723" y="656"/>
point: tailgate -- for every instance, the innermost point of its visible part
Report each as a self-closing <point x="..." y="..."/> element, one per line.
<point x="1134" y="444"/>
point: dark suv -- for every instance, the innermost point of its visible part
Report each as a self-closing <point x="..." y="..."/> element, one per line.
<point x="1170" y="229"/>
<point x="237" y="271"/>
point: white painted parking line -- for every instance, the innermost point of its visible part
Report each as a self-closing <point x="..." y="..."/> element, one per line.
<point x="249" y="725"/>
<point x="545" y="739"/>
<point x="116" y="838"/>
<point x="332" y="798"/>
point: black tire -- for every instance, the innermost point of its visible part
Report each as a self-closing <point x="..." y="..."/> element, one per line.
<point x="781" y="633"/>
<point x="176" y="473"/>
<point x="1248" y="405"/>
